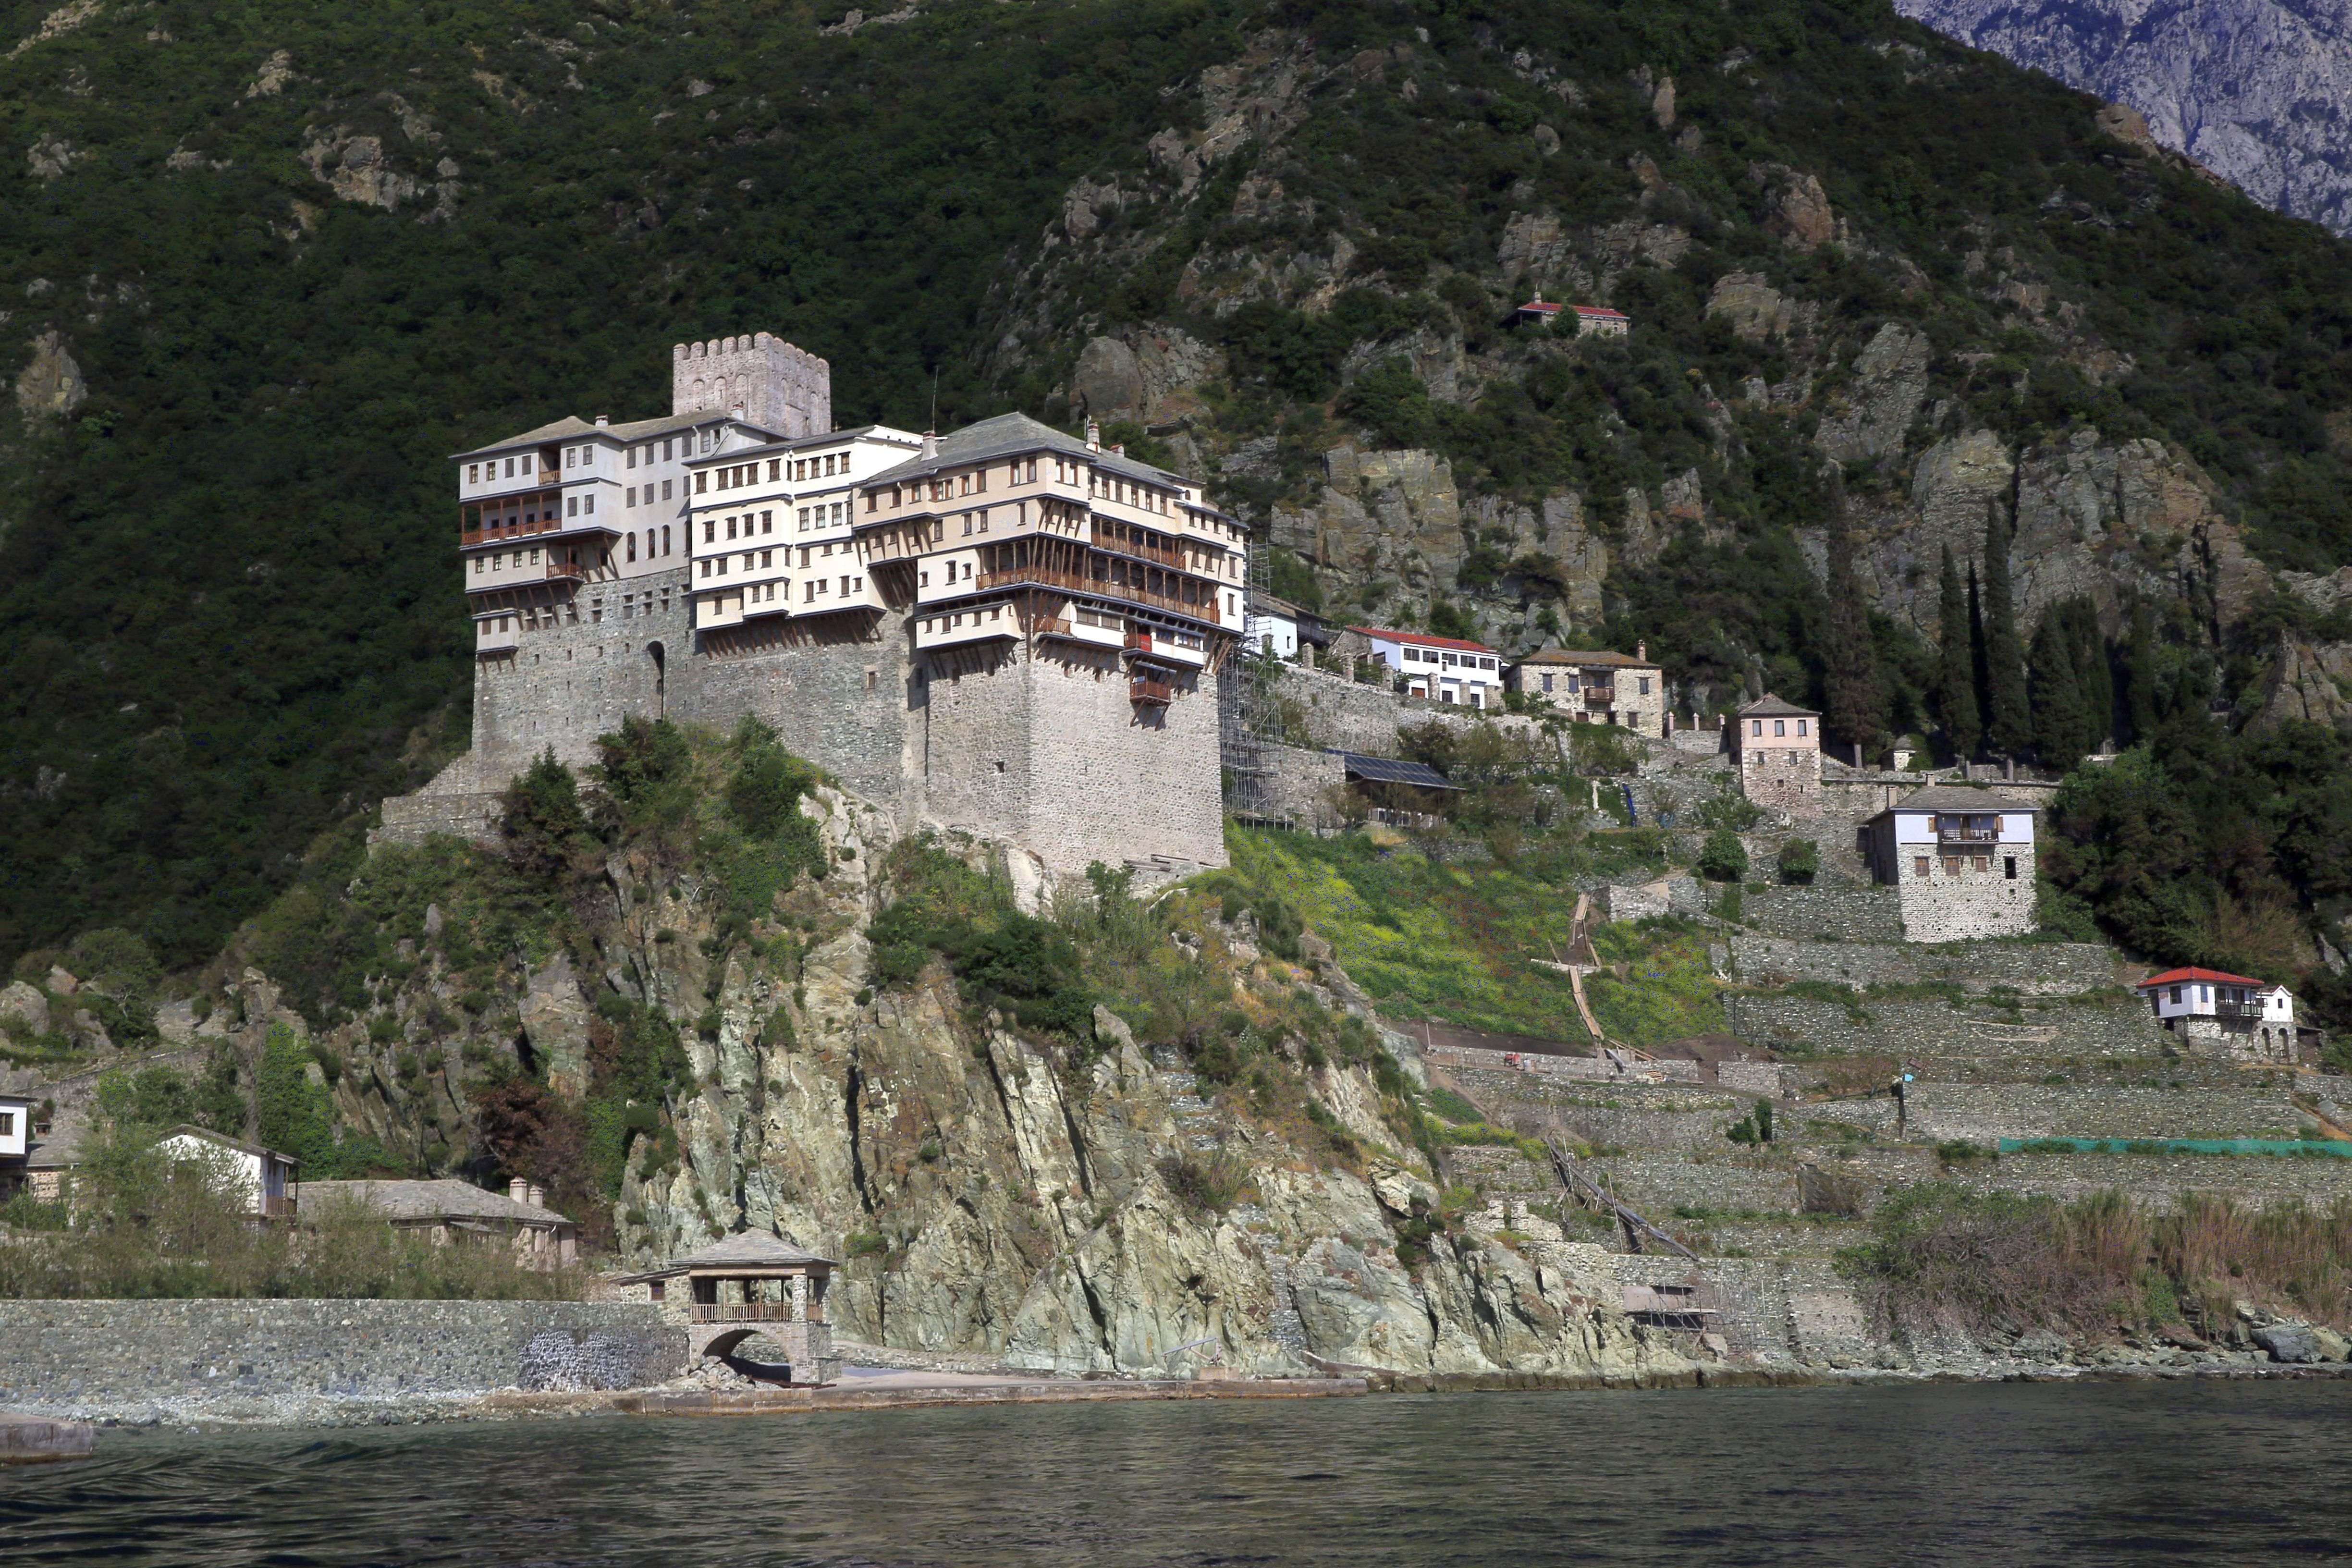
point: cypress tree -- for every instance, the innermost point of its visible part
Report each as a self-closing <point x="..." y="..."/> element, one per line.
<point x="1955" y="683"/>
<point x="2059" y="720"/>
<point x="2093" y="674"/>
<point x="2010" y="718"/>
<point x="2139" y="674"/>
<point x="1855" y="707"/>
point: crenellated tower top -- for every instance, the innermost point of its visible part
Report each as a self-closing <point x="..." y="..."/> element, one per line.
<point x="775" y="383"/>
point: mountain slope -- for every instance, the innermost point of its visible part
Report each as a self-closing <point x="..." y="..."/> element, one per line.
<point x="2257" y="90"/>
<point x="274" y="264"/>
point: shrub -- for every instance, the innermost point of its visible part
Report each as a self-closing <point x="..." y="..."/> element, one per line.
<point x="1723" y="858"/>
<point x="1800" y="861"/>
<point x="1203" y="1185"/>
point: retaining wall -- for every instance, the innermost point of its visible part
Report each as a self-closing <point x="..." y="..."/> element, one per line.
<point x="1935" y="1028"/>
<point x="1848" y="914"/>
<point x="112" y="1356"/>
<point x="2032" y="969"/>
<point x="1983" y="1112"/>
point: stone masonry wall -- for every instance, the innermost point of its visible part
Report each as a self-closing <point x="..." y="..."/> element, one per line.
<point x="563" y="685"/>
<point x="839" y="699"/>
<point x="1983" y="1113"/>
<point x="2158" y="1180"/>
<point x="1364" y="719"/>
<point x="1847" y="914"/>
<point x="107" y="1357"/>
<point x="2032" y="969"/>
<point x="1972" y="905"/>
<point x="1299" y="782"/>
<point x="1049" y="753"/>
<point x="1930" y="1029"/>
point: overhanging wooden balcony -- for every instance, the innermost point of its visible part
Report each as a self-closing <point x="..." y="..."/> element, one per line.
<point x="493" y="533"/>
<point x="1101" y="587"/>
<point x="1150" y="692"/>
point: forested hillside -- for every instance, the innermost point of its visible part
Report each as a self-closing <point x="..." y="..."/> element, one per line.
<point x="268" y="267"/>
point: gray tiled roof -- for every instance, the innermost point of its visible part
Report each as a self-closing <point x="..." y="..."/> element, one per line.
<point x="1007" y="433"/>
<point x="445" y="1198"/>
<point x="1770" y="707"/>
<point x="1583" y="655"/>
<point x="1391" y="770"/>
<point x="751" y="1249"/>
<point x="572" y="427"/>
<point x="1952" y="797"/>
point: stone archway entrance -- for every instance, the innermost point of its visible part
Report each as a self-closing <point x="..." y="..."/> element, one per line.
<point x="752" y="1284"/>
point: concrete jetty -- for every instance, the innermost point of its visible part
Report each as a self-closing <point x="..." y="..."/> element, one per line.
<point x="37" y="1439"/>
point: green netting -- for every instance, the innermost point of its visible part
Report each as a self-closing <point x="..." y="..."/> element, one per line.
<point x="2305" y="1147"/>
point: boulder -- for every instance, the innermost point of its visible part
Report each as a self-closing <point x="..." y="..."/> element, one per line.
<point x="24" y="1010"/>
<point x="2291" y="1343"/>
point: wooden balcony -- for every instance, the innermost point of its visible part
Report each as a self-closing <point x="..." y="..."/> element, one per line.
<point x="279" y="1208"/>
<point x="742" y="1312"/>
<point x="1957" y="834"/>
<point x="2239" y="1014"/>
<point x="1160" y="647"/>
<point x="495" y="533"/>
<point x="566" y="571"/>
<point x="1047" y="577"/>
<point x="1110" y="539"/>
<point x="1150" y="692"/>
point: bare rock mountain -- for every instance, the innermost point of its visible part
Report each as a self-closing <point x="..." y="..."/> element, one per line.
<point x="2256" y="91"/>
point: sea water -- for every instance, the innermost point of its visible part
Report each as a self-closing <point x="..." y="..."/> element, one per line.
<point x="2096" y="1473"/>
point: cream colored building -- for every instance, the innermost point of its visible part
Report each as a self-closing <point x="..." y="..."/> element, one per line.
<point x="1597" y="687"/>
<point x="1777" y="748"/>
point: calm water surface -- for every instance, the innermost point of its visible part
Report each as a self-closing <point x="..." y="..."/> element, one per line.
<point x="2113" y="1473"/>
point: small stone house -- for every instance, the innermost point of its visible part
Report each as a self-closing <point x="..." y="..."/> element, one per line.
<point x="2228" y="1015"/>
<point x="1600" y="321"/>
<point x="1597" y="686"/>
<point x="1776" y="747"/>
<point x="1960" y="861"/>
<point x="450" y="1210"/>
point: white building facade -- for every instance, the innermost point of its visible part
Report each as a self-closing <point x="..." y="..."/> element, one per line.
<point x="1444" y="670"/>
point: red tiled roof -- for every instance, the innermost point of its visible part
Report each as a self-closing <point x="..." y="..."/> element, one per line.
<point x="1546" y="306"/>
<point x="2181" y="976"/>
<point x="1422" y="639"/>
<point x="1601" y="310"/>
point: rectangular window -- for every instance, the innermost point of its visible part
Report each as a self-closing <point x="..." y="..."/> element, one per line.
<point x="1800" y="723"/>
<point x="767" y="522"/>
<point x="630" y="460"/>
<point x="1758" y="731"/>
<point x="590" y="508"/>
<point x="767" y="558"/>
<point x="1918" y="865"/>
<point x="473" y="473"/>
<point x="569" y="457"/>
<point x="666" y="451"/>
<point x="701" y="482"/>
<point x="632" y="500"/>
<point x="1980" y="862"/>
<point x="666" y="484"/>
<point x="775" y="466"/>
<point x="572" y="506"/>
<point x="709" y="531"/>
<point x="1779" y="727"/>
<point x="1644" y="683"/>
<point x="1951" y="865"/>
<point x="2176" y="995"/>
<point x="2009" y="867"/>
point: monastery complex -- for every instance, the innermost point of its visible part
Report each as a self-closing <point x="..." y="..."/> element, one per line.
<point x="1004" y="629"/>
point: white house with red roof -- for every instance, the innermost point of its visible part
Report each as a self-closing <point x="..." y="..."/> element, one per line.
<point x="2236" y="1014"/>
<point x="1445" y="670"/>
<point x="1600" y="321"/>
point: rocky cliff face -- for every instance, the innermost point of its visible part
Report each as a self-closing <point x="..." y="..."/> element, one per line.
<point x="2256" y="91"/>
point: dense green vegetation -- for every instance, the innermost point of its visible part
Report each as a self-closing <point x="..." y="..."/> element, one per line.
<point x="229" y="619"/>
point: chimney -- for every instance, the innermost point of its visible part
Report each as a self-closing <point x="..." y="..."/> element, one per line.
<point x="1094" y="436"/>
<point x="1120" y="449"/>
<point x="931" y="446"/>
<point x="602" y="420"/>
<point x="538" y="1196"/>
<point x="736" y="412"/>
<point x="518" y="1191"/>
<point x="1642" y="650"/>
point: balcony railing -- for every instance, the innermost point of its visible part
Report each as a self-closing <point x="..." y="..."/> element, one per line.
<point x="1967" y="834"/>
<point x="1110" y="539"/>
<point x="493" y="533"/>
<point x="742" y="1312"/>
<point x="1154" y="693"/>
<point x="277" y="1207"/>
<point x="2238" y="1012"/>
<point x="1045" y="577"/>
<point x="566" y="571"/>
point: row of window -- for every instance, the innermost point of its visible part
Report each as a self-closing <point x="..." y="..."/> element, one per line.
<point x="1954" y="864"/>
<point x="1755" y="726"/>
<point x="1597" y="685"/>
<point x="1446" y="657"/>
<point x="954" y="621"/>
<point x="657" y="543"/>
<point x="717" y="565"/>
<point x="648" y="499"/>
<point x="476" y="473"/>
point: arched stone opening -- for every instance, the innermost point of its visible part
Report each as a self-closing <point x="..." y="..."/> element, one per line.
<point x="660" y="655"/>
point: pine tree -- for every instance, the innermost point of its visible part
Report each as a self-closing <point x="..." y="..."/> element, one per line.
<point x="2010" y="718"/>
<point x="2093" y="673"/>
<point x="1855" y="707"/>
<point x="1955" y="683"/>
